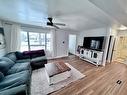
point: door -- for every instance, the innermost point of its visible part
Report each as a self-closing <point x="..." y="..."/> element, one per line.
<point x="72" y="44"/>
<point x="120" y="52"/>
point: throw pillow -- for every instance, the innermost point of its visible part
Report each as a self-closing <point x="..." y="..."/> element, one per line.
<point x="20" y="55"/>
<point x="1" y="76"/>
<point x="8" y="60"/>
<point x="5" y="66"/>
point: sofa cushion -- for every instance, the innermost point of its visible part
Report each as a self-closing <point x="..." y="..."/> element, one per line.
<point x="21" y="55"/>
<point x="18" y="67"/>
<point x="38" y="59"/>
<point x="8" y="60"/>
<point x="11" y="56"/>
<point x="22" y="60"/>
<point x="14" y="80"/>
<point x="19" y="90"/>
<point x="38" y="62"/>
<point x="1" y="76"/>
<point x="5" y="66"/>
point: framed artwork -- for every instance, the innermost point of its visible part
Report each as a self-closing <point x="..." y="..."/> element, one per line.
<point x="2" y="38"/>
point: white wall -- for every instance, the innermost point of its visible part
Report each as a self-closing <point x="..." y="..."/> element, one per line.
<point x="63" y="36"/>
<point x="91" y="33"/>
<point x="2" y="51"/>
<point x="94" y="33"/>
<point x="61" y="43"/>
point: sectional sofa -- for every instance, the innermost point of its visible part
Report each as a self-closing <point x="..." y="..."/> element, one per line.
<point x="15" y="71"/>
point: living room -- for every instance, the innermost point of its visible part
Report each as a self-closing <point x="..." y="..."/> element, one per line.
<point x="56" y="47"/>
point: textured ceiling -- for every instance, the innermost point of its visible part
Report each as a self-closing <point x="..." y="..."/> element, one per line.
<point x="117" y="9"/>
<point x="76" y="14"/>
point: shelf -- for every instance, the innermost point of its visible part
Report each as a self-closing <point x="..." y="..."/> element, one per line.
<point x="90" y="61"/>
<point x="92" y="56"/>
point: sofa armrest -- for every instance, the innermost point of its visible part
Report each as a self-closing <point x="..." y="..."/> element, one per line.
<point x="19" y="90"/>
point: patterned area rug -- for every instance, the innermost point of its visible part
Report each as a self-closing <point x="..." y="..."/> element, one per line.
<point x="40" y="85"/>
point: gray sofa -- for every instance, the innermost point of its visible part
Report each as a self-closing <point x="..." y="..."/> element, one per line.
<point x="14" y="77"/>
<point x="15" y="72"/>
<point x="37" y="58"/>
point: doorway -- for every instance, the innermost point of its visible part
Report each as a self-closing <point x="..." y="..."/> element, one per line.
<point x="120" y="52"/>
<point x="72" y="44"/>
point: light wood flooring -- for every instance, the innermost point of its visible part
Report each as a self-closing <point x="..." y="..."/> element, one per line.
<point x="98" y="80"/>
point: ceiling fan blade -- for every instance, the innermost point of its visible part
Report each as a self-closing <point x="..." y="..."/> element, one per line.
<point x="62" y="24"/>
<point x="56" y="26"/>
<point x="49" y="23"/>
<point x="50" y="19"/>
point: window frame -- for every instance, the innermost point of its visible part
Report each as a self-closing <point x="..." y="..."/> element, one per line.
<point x="28" y="38"/>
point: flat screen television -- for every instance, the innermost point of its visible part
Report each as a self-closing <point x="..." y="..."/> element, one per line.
<point x="95" y="43"/>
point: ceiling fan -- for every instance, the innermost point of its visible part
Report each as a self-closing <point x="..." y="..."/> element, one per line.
<point x="51" y="23"/>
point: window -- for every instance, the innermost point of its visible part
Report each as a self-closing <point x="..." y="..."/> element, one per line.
<point x="35" y="41"/>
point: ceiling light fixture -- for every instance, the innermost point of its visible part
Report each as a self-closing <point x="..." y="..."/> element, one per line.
<point x="122" y="27"/>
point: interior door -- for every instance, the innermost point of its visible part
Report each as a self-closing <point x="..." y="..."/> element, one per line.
<point x="72" y="44"/>
<point x="120" y="53"/>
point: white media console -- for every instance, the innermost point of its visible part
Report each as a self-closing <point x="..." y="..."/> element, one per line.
<point x="92" y="56"/>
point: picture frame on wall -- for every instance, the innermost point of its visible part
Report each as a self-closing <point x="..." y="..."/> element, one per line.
<point x="2" y="38"/>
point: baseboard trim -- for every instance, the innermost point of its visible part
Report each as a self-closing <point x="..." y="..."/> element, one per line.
<point x="58" y="57"/>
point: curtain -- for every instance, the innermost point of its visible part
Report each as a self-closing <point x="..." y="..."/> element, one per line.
<point x="12" y="36"/>
<point x="52" y="52"/>
<point x="53" y="43"/>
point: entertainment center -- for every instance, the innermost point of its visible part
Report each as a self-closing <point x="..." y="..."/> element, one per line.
<point x="92" y="50"/>
<point x="92" y="56"/>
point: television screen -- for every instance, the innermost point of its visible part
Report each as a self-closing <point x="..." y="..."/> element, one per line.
<point x="95" y="43"/>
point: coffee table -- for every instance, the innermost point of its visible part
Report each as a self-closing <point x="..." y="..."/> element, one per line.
<point x="57" y="72"/>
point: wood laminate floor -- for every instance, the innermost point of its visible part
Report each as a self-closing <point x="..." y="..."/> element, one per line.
<point x="98" y="80"/>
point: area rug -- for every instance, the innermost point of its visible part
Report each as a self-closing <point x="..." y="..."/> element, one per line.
<point x="40" y="85"/>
